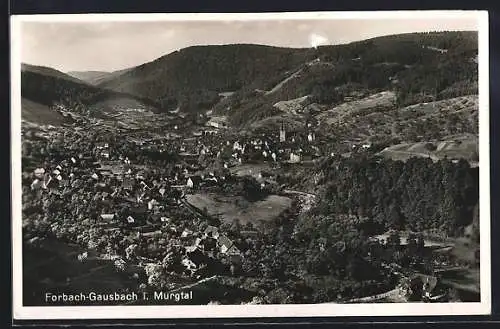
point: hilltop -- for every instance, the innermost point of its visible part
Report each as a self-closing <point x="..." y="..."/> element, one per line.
<point x="49" y="72"/>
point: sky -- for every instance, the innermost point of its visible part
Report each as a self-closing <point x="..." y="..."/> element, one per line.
<point x="114" y="45"/>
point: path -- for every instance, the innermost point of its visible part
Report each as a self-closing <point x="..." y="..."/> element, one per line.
<point x="189" y="286"/>
<point x="394" y="293"/>
<point x="280" y="85"/>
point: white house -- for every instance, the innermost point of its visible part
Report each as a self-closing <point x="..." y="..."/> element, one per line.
<point x="152" y="203"/>
<point x="36" y="184"/>
<point x="107" y="216"/>
<point x="294" y="158"/>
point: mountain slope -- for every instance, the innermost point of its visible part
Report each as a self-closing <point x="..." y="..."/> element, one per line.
<point x="415" y="66"/>
<point x="39" y="113"/>
<point x="96" y="77"/>
<point x="50" y="72"/>
<point x="192" y="78"/>
<point x="91" y="77"/>
<point x="42" y="88"/>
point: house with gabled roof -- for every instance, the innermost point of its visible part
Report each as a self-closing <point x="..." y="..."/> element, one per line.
<point x="224" y="243"/>
<point x="193" y="181"/>
<point x="212" y="231"/>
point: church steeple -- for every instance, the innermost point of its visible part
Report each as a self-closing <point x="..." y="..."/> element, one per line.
<point x="282" y="132"/>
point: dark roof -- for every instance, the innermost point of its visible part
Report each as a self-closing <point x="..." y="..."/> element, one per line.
<point x="195" y="179"/>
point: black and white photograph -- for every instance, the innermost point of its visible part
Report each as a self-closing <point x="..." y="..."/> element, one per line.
<point x="262" y="165"/>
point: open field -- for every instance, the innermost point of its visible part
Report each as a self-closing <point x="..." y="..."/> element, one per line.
<point x="236" y="208"/>
<point x="463" y="147"/>
<point x="39" y="113"/>
<point x="292" y="121"/>
<point x="338" y="113"/>
<point x="375" y="118"/>
<point x="293" y="105"/>
<point x="250" y="169"/>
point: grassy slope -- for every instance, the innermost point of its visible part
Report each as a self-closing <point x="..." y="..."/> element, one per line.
<point x="245" y="212"/>
<point x="39" y="113"/>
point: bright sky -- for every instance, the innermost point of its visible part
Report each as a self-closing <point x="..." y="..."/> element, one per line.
<point x="109" y="46"/>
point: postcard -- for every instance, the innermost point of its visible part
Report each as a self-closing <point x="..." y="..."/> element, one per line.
<point x="250" y="165"/>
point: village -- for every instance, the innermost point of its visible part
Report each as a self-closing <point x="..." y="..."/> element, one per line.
<point x="151" y="203"/>
<point x="124" y="199"/>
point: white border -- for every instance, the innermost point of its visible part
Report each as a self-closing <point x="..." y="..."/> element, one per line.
<point x="21" y="312"/>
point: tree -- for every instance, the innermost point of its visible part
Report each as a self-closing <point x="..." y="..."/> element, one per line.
<point x="430" y="147"/>
<point x="412" y="243"/>
<point x="235" y="226"/>
<point x="251" y="189"/>
<point x="395" y="217"/>
<point x="394" y="239"/>
<point x="420" y="243"/>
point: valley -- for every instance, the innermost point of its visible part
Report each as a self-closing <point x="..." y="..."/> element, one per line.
<point x="327" y="175"/>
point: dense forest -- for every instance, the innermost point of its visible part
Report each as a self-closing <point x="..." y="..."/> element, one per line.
<point x="192" y="77"/>
<point x="405" y="64"/>
<point x="327" y="253"/>
<point x="416" y="195"/>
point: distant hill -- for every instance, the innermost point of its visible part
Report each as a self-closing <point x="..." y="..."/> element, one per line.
<point x="91" y="77"/>
<point x="417" y="67"/>
<point x="43" y="87"/>
<point x="95" y="77"/>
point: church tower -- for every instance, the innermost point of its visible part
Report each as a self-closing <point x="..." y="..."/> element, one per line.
<point x="282" y="133"/>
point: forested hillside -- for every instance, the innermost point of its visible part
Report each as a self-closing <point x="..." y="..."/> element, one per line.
<point x="418" y="66"/>
<point x="415" y="195"/>
<point x="193" y="77"/>
<point x="46" y="86"/>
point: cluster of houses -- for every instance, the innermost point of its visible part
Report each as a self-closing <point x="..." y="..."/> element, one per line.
<point x="104" y="179"/>
<point x="124" y="196"/>
<point x="205" y="248"/>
